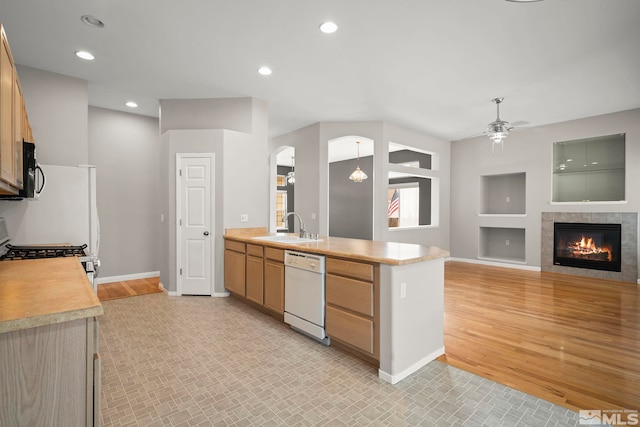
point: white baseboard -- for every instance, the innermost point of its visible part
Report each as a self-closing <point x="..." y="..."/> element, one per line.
<point x="220" y="294"/>
<point x="393" y="379"/>
<point x="496" y="264"/>
<point x="101" y="280"/>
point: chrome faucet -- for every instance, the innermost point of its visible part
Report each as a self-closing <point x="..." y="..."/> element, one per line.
<point x="303" y="232"/>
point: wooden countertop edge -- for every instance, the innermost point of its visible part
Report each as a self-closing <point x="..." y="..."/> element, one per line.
<point x="50" y="319"/>
<point x="307" y="247"/>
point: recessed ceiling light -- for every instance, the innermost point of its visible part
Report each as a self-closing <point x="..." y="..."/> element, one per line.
<point x="265" y="71"/>
<point x="92" y="21"/>
<point x="131" y="104"/>
<point x="328" y="27"/>
<point x="85" y="55"/>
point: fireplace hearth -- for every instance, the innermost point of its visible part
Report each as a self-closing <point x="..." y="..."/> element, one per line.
<point x="587" y="245"/>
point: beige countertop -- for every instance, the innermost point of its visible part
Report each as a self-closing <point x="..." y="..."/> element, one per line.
<point x="40" y="292"/>
<point x="390" y="253"/>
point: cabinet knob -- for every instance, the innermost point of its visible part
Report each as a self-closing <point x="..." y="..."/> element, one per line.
<point x="206" y="233"/>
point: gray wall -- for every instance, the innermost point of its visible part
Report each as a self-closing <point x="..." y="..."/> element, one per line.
<point x="530" y="151"/>
<point x="57" y="109"/>
<point x="312" y="190"/>
<point x="350" y="203"/>
<point x="125" y="149"/>
<point x="305" y="142"/>
<point x="235" y="194"/>
<point x="223" y="113"/>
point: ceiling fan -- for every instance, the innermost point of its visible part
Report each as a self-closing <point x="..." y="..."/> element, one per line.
<point x="498" y="129"/>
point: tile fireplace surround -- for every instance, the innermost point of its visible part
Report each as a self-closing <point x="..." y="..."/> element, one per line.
<point x="629" y="221"/>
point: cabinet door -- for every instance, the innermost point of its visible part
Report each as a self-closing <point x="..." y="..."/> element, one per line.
<point x="7" y="159"/>
<point x="18" y="133"/>
<point x="355" y="330"/>
<point x="234" y="273"/>
<point x="274" y="286"/>
<point x="254" y="279"/>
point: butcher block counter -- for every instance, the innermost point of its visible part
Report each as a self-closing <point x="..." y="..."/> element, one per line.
<point x="50" y="366"/>
<point x="384" y="300"/>
<point x="40" y="292"/>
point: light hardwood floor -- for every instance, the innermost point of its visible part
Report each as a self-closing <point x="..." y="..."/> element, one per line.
<point x="569" y="340"/>
<point x="128" y="288"/>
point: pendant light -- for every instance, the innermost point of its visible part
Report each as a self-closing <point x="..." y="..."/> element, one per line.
<point x="291" y="178"/>
<point x="357" y="175"/>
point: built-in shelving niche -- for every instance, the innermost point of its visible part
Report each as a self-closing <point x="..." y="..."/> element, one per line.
<point x="502" y="244"/>
<point x="503" y="194"/>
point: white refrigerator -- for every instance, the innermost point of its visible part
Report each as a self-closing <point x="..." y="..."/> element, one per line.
<point x="65" y="212"/>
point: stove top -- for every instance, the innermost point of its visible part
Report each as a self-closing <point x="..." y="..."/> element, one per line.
<point x="36" y="252"/>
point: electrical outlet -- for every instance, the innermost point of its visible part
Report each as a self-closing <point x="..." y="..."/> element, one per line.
<point x="313" y="216"/>
<point x="506" y="242"/>
<point x="244" y="218"/>
<point x="161" y="217"/>
<point x="508" y="199"/>
<point x="403" y="290"/>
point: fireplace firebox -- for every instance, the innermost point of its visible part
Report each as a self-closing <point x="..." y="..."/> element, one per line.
<point x="594" y="246"/>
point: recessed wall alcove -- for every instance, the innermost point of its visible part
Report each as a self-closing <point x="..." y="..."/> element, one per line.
<point x="629" y="243"/>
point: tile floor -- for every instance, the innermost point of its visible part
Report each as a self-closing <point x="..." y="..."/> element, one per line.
<point x="200" y="361"/>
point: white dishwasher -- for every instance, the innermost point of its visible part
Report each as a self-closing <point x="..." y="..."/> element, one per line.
<point x="304" y="294"/>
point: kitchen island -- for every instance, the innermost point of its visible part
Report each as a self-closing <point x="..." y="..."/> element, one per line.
<point x="394" y="292"/>
<point x="49" y="361"/>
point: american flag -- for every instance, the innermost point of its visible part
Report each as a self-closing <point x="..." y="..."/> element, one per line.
<point x="394" y="204"/>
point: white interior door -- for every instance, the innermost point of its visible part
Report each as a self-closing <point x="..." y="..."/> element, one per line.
<point x="195" y="222"/>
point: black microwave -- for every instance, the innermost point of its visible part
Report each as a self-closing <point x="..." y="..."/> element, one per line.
<point x="33" y="179"/>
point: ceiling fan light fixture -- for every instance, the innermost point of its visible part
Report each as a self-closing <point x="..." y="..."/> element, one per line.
<point x="291" y="176"/>
<point x="498" y="129"/>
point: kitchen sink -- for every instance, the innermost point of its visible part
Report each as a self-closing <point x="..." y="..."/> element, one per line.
<point x="286" y="238"/>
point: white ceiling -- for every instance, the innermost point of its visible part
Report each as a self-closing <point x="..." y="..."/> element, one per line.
<point x="433" y="66"/>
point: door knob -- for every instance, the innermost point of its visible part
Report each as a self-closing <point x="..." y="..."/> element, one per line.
<point x="206" y="233"/>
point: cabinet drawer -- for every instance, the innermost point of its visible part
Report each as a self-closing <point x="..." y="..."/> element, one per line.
<point x="352" y="294"/>
<point x="350" y="328"/>
<point x="357" y="270"/>
<point x="232" y="245"/>
<point x="274" y="254"/>
<point x="254" y="250"/>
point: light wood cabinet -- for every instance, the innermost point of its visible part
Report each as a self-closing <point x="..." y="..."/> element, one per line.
<point x="14" y="122"/>
<point x="274" y="279"/>
<point x="51" y="375"/>
<point x="18" y="134"/>
<point x="255" y="273"/>
<point x="234" y="267"/>
<point x="7" y="78"/>
<point x="352" y="311"/>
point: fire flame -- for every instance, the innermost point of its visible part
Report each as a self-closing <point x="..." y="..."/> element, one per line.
<point x="586" y="246"/>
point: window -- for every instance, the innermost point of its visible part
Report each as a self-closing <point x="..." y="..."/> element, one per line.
<point x="404" y="205"/>
<point x="413" y="176"/>
<point x="281" y="209"/>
